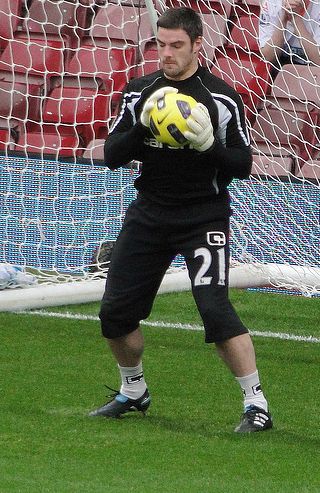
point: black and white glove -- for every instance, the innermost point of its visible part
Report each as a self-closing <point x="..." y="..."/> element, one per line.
<point x="201" y="131"/>
<point x="151" y="101"/>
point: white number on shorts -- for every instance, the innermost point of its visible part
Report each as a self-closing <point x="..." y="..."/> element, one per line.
<point x="201" y="278"/>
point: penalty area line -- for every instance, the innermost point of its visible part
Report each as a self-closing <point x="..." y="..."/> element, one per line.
<point x="169" y="325"/>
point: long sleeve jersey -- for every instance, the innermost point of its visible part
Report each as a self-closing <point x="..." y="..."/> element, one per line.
<point x="177" y="175"/>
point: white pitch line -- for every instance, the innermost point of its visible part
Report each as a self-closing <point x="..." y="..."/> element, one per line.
<point x="169" y="325"/>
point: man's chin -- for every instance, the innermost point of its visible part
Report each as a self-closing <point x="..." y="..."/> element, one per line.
<point x="171" y="72"/>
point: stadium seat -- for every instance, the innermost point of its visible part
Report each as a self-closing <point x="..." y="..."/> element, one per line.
<point x="125" y="22"/>
<point x="49" y="140"/>
<point x="26" y="59"/>
<point x="310" y="170"/>
<point x="7" y="137"/>
<point x="244" y="34"/>
<point x="249" y="76"/>
<point x="95" y="150"/>
<point x="10" y="11"/>
<point x="84" y="108"/>
<point x="298" y="82"/>
<point x="214" y="33"/>
<point x="242" y="8"/>
<point x="65" y="19"/>
<point x="113" y="64"/>
<point x="280" y="132"/>
<point x="150" y="60"/>
<point x="276" y="166"/>
<point x="20" y="101"/>
<point x="295" y="97"/>
<point x="222" y="7"/>
<point x="71" y="117"/>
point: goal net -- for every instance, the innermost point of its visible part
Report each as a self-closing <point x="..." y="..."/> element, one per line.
<point x="63" y="66"/>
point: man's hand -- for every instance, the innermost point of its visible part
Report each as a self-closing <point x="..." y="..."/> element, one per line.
<point x="201" y="130"/>
<point x="295" y="7"/>
<point x="151" y="101"/>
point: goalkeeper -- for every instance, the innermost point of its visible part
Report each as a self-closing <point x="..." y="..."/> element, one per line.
<point x="182" y="206"/>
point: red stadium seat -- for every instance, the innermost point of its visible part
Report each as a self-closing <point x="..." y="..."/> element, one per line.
<point x="214" y="33"/>
<point x="95" y="150"/>
<point x="125" y="22"/>
<point x="24" y="58"/>
<point x="20" y="101"/>
<point x="280" y="132"/>
<point x="50" y="140"/>
<point x="114" y="64"/>
<point x="249" y="76"/>
<point x="244" y="34"/>
<point x="222" y="7"/>
<point x="10" y="11"/>
<point x="298" y="82"/>
<point x="65" y="19"/>
<point x="309" y="171"/>
<point x="84" y="108"/>
<point x="276" y="166"/>
<point x="150" y="60"/>
<point x="242" y="8"/>
<point x="293" y="106"/>
<point x="72" y="116"/>
<point x="7" y="138"/>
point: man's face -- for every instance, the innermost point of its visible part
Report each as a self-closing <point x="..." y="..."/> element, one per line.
<point x="178" y="57"/>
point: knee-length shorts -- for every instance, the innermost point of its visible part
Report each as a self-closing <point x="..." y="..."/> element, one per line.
<point x="151" y="237"/>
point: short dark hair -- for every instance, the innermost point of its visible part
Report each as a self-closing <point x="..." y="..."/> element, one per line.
<point x="182" y="18"/>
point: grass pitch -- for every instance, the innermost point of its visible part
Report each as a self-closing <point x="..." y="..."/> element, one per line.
<point x="53" y="372"/>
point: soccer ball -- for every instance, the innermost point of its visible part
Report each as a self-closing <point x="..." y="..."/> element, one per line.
<point x="168" y="118"/>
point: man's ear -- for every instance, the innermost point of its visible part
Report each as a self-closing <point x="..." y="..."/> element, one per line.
<point x="197" y="44"/>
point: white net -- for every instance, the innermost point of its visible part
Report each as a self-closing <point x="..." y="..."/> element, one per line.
<point x="63" y="65"/>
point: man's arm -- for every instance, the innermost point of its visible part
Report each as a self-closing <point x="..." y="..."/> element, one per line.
<point x="273" y="47"/>
<point x="125" y="141"/>
<point x="236" y="161"/>
<point x="124" y="144"/>
<point x="308" y="43"/>
<point x="231" y="152"/>
<point x="292" y="10"/>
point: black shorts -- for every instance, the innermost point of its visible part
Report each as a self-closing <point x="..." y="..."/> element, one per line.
<point x="150" y="238"/>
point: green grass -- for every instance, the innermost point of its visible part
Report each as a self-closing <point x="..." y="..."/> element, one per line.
<point x="53" y="372"/>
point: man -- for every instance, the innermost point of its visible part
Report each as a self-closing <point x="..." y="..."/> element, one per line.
<point x="289" y="31"/>
<point x="182" y="207"/>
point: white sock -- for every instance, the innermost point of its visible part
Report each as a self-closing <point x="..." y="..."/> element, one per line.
<point x="133" y="382"/>
<point x="252" y="392"/>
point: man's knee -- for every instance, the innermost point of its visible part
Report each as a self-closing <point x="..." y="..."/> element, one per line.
<point x="221" y="321"/>
<point x="114" y="325"/>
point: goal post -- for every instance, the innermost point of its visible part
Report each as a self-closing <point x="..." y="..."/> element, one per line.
<point x="63" y="66"/>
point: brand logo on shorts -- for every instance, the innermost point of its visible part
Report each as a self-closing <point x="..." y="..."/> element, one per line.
<point x="216" y="238"/>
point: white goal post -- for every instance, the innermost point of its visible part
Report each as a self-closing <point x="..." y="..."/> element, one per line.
<point x="63" y="65"/>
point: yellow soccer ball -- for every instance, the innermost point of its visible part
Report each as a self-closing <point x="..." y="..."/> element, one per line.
<point x="168" y="118"/>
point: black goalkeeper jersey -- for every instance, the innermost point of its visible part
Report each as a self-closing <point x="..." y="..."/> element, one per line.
<point x="178" y="175"/>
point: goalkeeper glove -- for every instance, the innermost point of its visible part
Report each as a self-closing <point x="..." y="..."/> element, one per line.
<point x="201" y="131"/>
<point x="151" y="101"/>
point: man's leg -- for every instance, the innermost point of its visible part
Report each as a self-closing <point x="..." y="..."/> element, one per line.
<point x="239" y="355"/>
<point x="133" y="393"/>
<point x="134" y="276"/>
<point x="207" y="257"/>
<point x="128" y="349"/>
